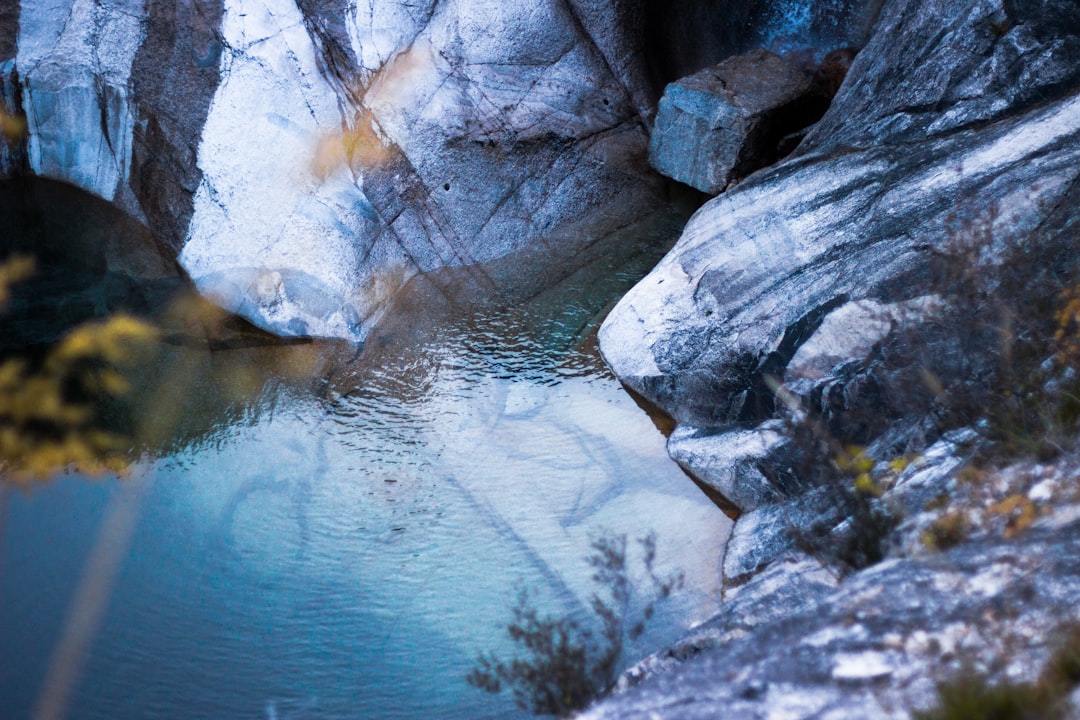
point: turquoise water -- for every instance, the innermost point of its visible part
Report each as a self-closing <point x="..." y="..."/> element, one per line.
<point x="326" y="533"/>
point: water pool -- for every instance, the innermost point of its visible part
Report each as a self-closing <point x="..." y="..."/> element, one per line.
<point x="323" y="532"/>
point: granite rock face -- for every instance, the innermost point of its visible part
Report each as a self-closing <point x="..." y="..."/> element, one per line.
<point x="877" y="646"/>
<point x="283" y="145"/>
<point x="723" y="122"/>
<point x="828" y="292"/>
<point x="935" y="67"/>
<point x="860" y="215"/>
<point x="758" y="269"/>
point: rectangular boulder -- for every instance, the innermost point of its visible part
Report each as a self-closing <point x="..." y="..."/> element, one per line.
<point x="723" y="122"/>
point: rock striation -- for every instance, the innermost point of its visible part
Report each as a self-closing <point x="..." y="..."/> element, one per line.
<point x="829" y="292"/>
<point x="286" y="149"/>
<point x="877" y="646"/>
<point x="291" y="148"/>
<point x="757" y="270"/>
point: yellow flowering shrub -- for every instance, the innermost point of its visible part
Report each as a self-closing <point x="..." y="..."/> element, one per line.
<point x="51" y="408"/>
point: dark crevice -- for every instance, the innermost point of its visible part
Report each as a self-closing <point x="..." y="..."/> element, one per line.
<point x="101" y="90"/>
<point x="14" y="157"/>
<point x="9" y="29"/>
<point x="175" y="76"/>
<point x="760" y="401"/>
<point x="333" y="52"/>
<point x="682" y="38"/>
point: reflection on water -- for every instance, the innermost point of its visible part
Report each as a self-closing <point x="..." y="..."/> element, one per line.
<point x="326" y="533"/>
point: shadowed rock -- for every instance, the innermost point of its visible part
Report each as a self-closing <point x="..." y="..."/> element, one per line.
<point x="724" y="122"/>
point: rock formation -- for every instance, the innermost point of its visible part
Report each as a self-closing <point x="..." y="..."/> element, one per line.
<point x="722" y="123"/>
<point x="290" y="149"/>
<point x="837" y="292"/>
<point x="875" y="647"/>
<point x="287" y="149"/>
<point x="306" y="160"/>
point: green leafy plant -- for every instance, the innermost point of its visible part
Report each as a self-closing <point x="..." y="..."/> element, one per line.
<point x="564" y="664"/>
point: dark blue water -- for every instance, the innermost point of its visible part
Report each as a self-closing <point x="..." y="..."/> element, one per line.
<point x="332" y="534"/>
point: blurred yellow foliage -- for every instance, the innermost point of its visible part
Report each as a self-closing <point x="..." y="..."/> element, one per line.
<point x="855" y="461"/>
<point x="898" y="465"/>
<point x="12" y="126"/>
<point x="14" y="270"/>
<point x="114" y="341"/>
<point x="947" y="531"/>
<point x="1067" y="334"/>
<point x="1020" y="512"/>
<point x="358" y="147"/>
<point x="48" y="407"/>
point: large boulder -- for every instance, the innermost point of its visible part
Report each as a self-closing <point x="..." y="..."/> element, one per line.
<point x="723" y="122"/>
<point x="757" y="269"/>
<point x="824" y="295"/>
<point x="811" y="274"/>
<point x="933" y="68"/>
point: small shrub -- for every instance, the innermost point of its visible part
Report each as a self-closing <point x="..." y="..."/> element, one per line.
<point x="564" y="666"/>
<point x="1062" y="673"/>
<point x="973" y="698"/>
<point x="555" y="677"/>
<point x="852" y="532"/>
<point x="53" y="408"/>
<point x="860" y="540"/>
<point x="1022" y="312"/>
<point x="1019" y="512"/>
<point x="947" y="531"/>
